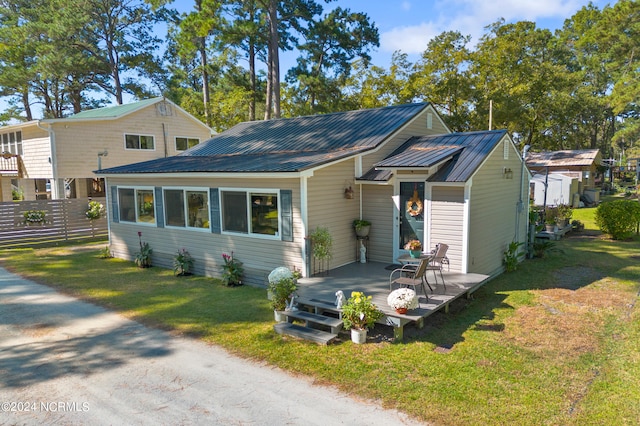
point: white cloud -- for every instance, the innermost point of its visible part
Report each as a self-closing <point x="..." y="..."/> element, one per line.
<point x="411" y="39"/>
<point x="470" y="17"/>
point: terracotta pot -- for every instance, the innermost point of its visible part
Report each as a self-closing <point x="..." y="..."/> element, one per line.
<point x="401" y="310"/>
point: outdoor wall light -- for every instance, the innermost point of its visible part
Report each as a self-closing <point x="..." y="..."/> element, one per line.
<point x="507" y="173"/>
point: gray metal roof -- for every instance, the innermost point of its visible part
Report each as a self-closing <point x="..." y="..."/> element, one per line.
<point x="285" y="145"/>
<point x="465" y="150"/>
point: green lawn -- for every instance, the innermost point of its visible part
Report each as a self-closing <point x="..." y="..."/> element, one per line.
<point x="555" y="342"/>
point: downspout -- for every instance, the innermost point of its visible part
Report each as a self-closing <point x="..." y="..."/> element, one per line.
<point x="520" y="208"/>
<point x="54" y="162"/>
<point x="304" y="216"/>
<point x="164" y="137"/>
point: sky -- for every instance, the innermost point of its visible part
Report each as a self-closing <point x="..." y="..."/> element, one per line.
<point x="408" y="25"/>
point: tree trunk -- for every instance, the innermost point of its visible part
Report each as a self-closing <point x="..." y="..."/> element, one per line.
<point x="26" y="105"/>
<point x="273" y="66"/>
<point x="205" y="81"/>
<point x="252" y="79"/>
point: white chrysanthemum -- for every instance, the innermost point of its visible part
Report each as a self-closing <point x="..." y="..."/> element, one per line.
<point x="279" y="274"/>
<point x="403" y="298"/>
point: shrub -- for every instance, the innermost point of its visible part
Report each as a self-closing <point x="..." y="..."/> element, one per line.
<point x="618" y="218"/>
<point x="182" y="262"/>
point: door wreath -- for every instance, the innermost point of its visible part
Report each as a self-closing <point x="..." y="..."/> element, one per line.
<point x="414" y="205"/>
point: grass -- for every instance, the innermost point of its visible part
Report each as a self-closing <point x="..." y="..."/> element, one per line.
<point x="554" y="342"/>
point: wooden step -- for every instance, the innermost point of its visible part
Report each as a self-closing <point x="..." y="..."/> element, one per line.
<point x="334" y="323"/>
<point x="320" y="306"/>
<point x="317" y="336"/>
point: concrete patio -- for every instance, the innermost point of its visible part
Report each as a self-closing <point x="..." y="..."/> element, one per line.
<point x="373" y="279"/>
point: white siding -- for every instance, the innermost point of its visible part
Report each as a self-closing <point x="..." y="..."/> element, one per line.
<point x="494" y="209"/>
<point x="37" y="153"/>
<point x="259" y="255"/>
<point x="378" y="208"/>
<point x="329" y="209"/>
<point x="446" y="223"/>
<point x="78" y="143"/>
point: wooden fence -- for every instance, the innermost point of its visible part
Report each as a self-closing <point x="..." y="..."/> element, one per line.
<point x="65" y="220"/>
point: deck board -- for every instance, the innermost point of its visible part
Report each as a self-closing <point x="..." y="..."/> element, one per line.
<point x="373" y="279"/>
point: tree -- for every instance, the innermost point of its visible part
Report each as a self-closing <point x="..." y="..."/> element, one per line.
<point x="514" y="68"/>
<point x="442" y="77"/>
<point x="330" y="47"/>
<point x="119" y="33"/>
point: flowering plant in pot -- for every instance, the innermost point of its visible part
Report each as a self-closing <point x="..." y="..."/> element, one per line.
<point x="402" y="300"/>
<point x="358" y="314"/>
<point x="414" y="247"/>
<point x="281" y="288"/>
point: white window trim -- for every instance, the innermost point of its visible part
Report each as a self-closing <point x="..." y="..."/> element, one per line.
<point x="124" y="139"/>
<point x="135" y="189"/>
<point x="175" y="142"/>
<point x="248" y="192"/>
<point x="186" y="226"/>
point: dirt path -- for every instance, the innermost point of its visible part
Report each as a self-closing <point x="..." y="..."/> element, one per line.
<point x="65" y="361"/>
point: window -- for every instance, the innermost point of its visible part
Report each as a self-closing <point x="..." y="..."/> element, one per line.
<point x="139" y="142"/>
<point x="182" y="144"/>
<point x="11" y="143"/>
<point x="250" y="212"/>
<point x="186" y="208"/>
<point x="136" y="205"/>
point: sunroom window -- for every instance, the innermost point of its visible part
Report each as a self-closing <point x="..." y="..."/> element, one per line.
<point x="250" y="212"/>
<point x="186" y="208"/>
<point x="136" y="205"/>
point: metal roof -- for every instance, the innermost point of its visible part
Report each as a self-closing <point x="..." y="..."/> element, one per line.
<point x="580" y="157"/>
<point x="462" y="152"/>
<point x="114" y="111"/>
<point x="285" y="145"/>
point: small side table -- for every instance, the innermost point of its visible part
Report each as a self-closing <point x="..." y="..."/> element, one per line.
<point x="359" y="242"/>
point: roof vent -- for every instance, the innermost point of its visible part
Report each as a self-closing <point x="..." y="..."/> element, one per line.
<point x="429" y="120"/>
<point x="164" y="109"/>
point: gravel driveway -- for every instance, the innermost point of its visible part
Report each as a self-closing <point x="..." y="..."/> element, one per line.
<point x="65" y="361"/>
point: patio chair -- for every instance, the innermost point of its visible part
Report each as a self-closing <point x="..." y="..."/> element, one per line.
<point x="437" y="262"/>
<point x="410" y="276"/>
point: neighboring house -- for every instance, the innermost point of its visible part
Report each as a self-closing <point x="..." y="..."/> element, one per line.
<point x="260" y="188"/>
<point x="553" y="189"/>
<point x="58" y="156"/>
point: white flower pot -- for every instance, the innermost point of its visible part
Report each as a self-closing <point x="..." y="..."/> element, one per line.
<point x="279" y="317"/>
<point x="358" y="336"/>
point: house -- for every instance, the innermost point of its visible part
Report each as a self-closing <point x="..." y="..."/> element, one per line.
<point x="579" y="164"/>
<point x="260" y="188"/>
<point x="55" y="158"/>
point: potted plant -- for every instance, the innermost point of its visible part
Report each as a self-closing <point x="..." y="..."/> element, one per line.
<point x="362" y="227"/>
<point x="182" y="263"/>
<point x="359" y="313"/>
<point x="564" y="214"/>
<point x="550" y="216"/>
<point x="402" y="300"/>
<point x="280" y="291"/>
<point x="414" y="247"/>
<point x="232" y="270"/>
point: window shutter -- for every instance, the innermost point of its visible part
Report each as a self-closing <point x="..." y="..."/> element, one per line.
<point x="286" y="209"/>
<point x="157" y="199"/>
<point x="214" y="207"/>
<point x="115" y="215"/>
